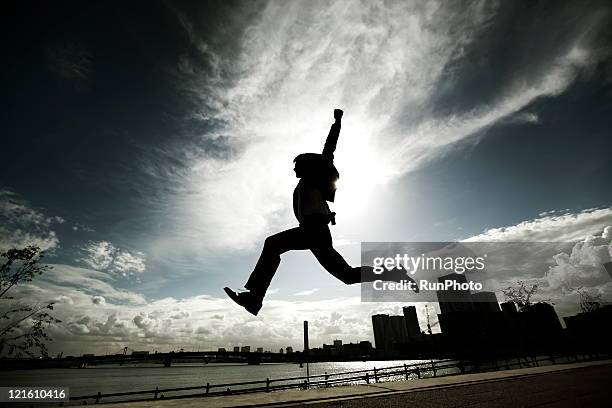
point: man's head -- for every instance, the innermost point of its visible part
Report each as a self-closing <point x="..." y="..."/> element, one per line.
<point x="306" y="164"/>
<point x="298" y="168"/>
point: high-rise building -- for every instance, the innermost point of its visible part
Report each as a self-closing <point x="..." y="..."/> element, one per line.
<point x="259" y="350"/>
<point x="289" y="349"/>
<point x="389" y="331"/>
<point x="411" y="321"/>
<point x="485" y="302"/>
<point x="379" y="323"/>
<point x="245" y="349"/>
<point x="236" y="349"/>
<point x="399" y="333"/>
<point x="338" y="343"/>
<point x="222" y="350"/>
<point x="281" y="351"/>
<point x="454" y="300"/>
<point x="509" y="308"/>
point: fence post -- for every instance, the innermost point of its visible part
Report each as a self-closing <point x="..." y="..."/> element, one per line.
<point x="418" y="370"/>
<point x="156" y="391"/>
<point x="98" y="397"/>
<point x="433" y="367"/>
<point x="367" y="378"/>
<point x="268" y="384"/>
<point x="207" y="388"/>
<point x="552" y="360"/>
<point x="405" y="371"/>
<point x="461" y="367"/>
<point x="326" y="378"/>
<point x="375" y="375"/>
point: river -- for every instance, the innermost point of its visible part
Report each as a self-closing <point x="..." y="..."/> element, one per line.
<point x="114" y="378"/>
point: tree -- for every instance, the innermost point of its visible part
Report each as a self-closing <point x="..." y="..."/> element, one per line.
<point x="588" y="302"/>
<point x="520" y="295"/>
<point x="23" y="326"/>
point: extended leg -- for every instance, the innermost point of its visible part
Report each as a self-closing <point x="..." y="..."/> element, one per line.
<point x="274" y="246"/>
<point x="335" y="264"/>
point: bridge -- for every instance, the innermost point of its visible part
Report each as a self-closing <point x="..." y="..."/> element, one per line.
<point x="170" y="358"/>
<point x="167" y="359"/>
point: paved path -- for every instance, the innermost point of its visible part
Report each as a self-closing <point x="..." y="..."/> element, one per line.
<point x="566" y="385"/>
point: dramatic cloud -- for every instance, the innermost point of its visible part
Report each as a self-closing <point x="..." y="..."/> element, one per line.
<point x="99" y="318"/>
<point x="99" y="255"/>
<point x="551" y="227"/>
<point x="22" y="225"/>
<point x="583" y="266"/>
<point x="395" y="67"/>
<point x="580" y="267"/>
<point x="189" y="182"/>
<point x="102" y="255"/>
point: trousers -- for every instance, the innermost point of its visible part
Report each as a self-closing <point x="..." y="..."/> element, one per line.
<point x="314" y="236"/>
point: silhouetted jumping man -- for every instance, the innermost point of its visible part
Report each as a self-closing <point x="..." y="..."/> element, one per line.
<point x="317" y="175"/>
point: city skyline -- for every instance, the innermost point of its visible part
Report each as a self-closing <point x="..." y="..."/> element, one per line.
<point x="147" y="148"/>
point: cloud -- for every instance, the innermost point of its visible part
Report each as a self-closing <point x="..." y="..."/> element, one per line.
<point x="307" y="292"/>
<point x="578" y="264"/>
<point x="551" y="227"/>
<point x="104" y="256"/>
<point x="91" y="324"/>
<point x="182" y="315"/>
<point x="99" y="255"/>
<point x="88" y="281"/>
<point x="524" y="117"/>
<point x="18" y="239"/>
<point x="390" y="66"/>
<point x="22" y="225"/>
<point x="583" y="266"/>
<point x="98" y="300"/>
<point x="126" y="262"/>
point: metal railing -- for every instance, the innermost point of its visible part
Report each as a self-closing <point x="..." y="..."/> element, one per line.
<point x="434" y="368"/>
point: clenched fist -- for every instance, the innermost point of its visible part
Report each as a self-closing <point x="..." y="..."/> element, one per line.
<point x="338" y="114"/>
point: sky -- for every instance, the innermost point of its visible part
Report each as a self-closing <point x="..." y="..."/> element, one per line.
<point x="147" y="148"/>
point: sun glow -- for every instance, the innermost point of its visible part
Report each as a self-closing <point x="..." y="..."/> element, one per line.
<point x="362" y="167"/>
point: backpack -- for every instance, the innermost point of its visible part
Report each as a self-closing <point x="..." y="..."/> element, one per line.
<point x="320" y="171"/>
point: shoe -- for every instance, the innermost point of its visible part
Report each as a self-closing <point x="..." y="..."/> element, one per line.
<point x="250" y="301"/>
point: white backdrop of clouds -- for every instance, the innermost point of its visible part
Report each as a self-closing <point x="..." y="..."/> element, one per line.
<point x="382" y="62"/>
<point x="99" y="317"/>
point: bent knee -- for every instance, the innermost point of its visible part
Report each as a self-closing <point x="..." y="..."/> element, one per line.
<point x="272" y="243"/>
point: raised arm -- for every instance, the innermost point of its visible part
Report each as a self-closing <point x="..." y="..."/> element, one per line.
<point x="332" y="137"/>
